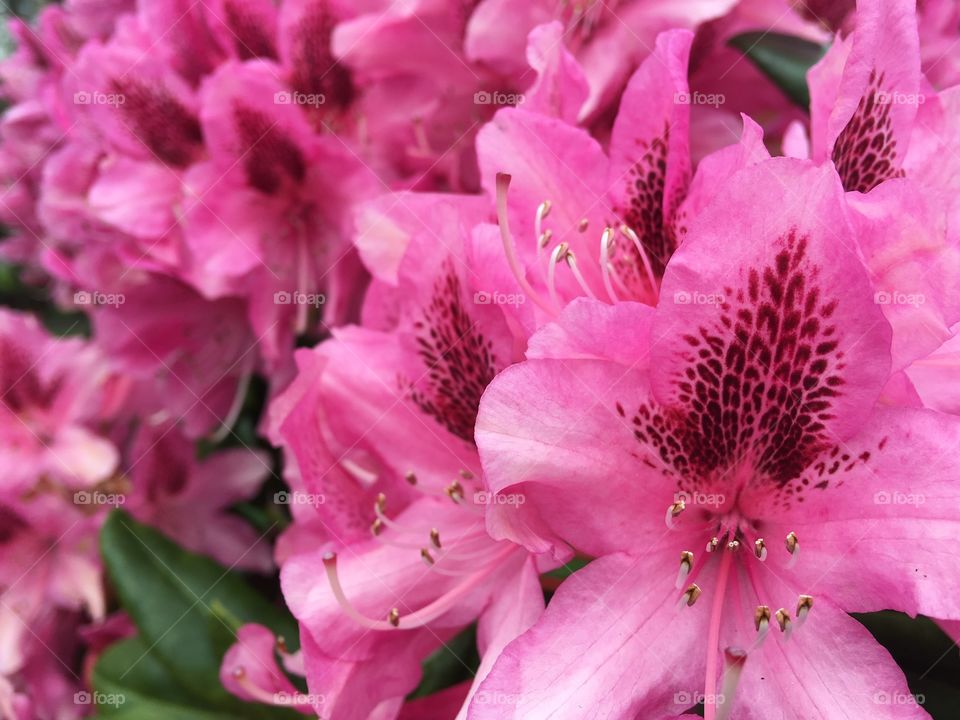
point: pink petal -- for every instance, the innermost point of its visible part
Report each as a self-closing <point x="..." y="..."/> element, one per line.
<point x="608" y="645"/>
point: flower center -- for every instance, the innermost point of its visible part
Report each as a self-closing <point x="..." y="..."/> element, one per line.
<point x="735" y="540"/>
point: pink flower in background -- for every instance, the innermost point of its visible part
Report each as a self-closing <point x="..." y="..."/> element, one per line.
<point x="609" y="39"/>
<point x="188" y="498"/>
<point x="56" y="398"/>
<point x="743" y="411"/>
<point x="191" y="359"/>
<point x="380" y="423"/>
<point x="55" y="393"/>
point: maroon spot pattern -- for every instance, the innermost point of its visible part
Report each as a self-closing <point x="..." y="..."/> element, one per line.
<point x="865" y="152"/>
<point x="644" y="215"/>
<point x="163" y="124"/>
<point x="249" y="37"/>
<point x="757" y="385"/>
<point x="460" y="361"/>
<point x="269" y="154"/>
<point x="315" y="70"/>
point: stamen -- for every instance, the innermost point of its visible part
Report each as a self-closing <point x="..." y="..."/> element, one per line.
<point x="381" y="521"/>
<point x="330" y="565"/>
<point x="544" y="240"/>
<point x="647" y="267"/>
<point x="760" y="549"/>
<point x="686" y="564"/>
<point x="282" y="645"/>
<point x="734" y="660"/>
<point x="427" y="557"/>
<point x="672" y="511"/>
<point x="559" y="252"/>
<point x="605" y="263"/>
<point x="733" y="545"/>
<point x="466" y="474"/>
<point x="712" y="544"/>
<point x="424" y="615"/>
<point x="761" y="621"/>
<point x="690" y="595"/>
<point x="542" y="211"/>
<point x="503" y="183"/>
<point x="804" y="604"/>
<point x="435" y="538"/>
<point x="783" y="620"/>
<point x="793" y="547"/>
<point x="455" y="491"/>
<point x="410" y="477"/>
<point x="575" y="269"/>
<point x="761" y="618"/>
<point x="583" y="225"/>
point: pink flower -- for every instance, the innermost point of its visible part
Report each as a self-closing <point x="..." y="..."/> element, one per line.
<point x="188" y="500"/>
<point x="380" y="424"/>
<point x="191" y="359"/>
<point x="742" y="411"/>
<point x="54" y="393"/>
<point x="57" y="400"/>
<point x="608" y="39"/>
<point x="612" y="219"/>
<point x="273" y="226"/>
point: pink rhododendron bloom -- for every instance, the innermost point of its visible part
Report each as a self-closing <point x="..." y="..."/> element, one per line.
<point x="742" y="413"/>
<point x="612" y="219"/>
<point x="380" y="423"/>
<point x="608" y="39"/>
<point x="191" y="358"/>
<point x="54" y="394"/>
<point x="188" y="499"/>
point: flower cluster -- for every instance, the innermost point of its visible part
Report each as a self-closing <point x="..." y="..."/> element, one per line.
<point x="406" y="309"/>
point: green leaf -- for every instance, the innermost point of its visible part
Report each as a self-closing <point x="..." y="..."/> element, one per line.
<point x="564" y="571"/>
<point x="784" y="59"/>
<point x="171" y="594"/>
<point x="453" y="663"/>
<point x="131" y="683"/>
